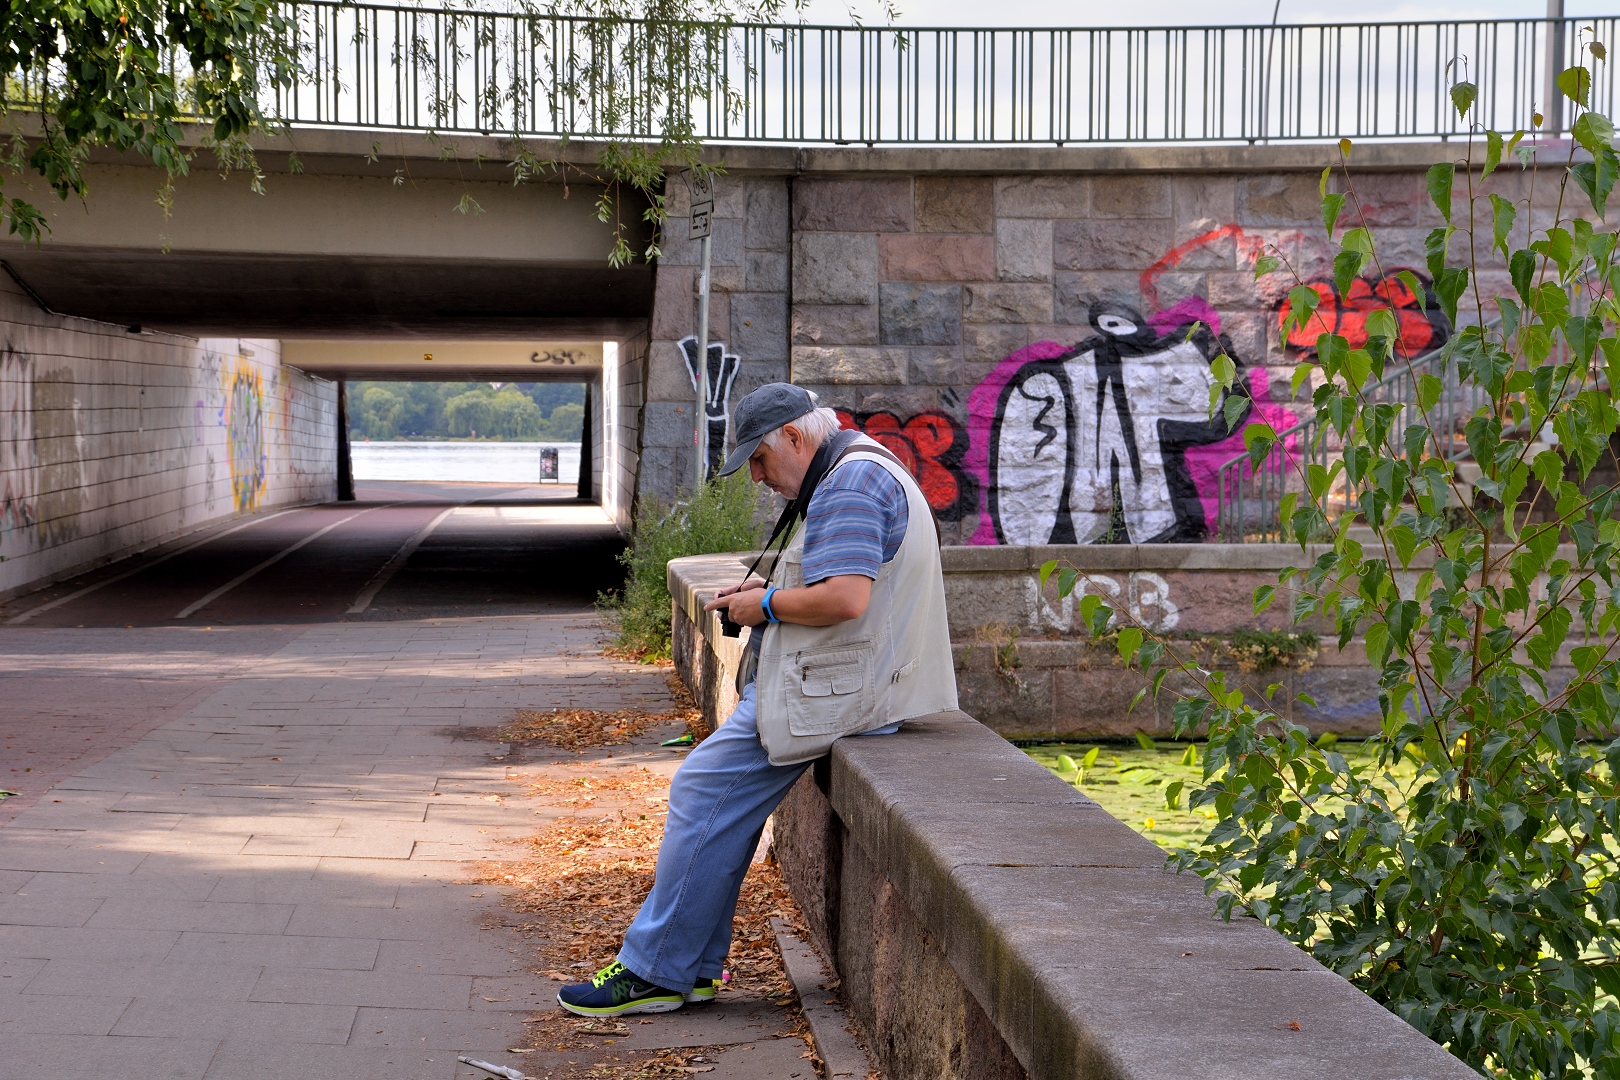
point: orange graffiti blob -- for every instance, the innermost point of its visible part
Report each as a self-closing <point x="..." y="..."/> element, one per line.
<point x="1347" y="315"/>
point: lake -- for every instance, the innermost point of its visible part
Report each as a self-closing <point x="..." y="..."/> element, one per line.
<point x="490" y="462"/>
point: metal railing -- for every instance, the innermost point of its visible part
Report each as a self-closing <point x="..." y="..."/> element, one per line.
<point x="402" y="67"/>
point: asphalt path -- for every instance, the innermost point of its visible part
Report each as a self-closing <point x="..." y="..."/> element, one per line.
<point x="402" y="550"/>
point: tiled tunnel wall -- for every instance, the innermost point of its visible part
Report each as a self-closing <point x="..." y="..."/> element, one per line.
<point x="111" y="441"/>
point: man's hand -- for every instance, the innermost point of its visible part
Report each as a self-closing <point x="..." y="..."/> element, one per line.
<point x="742" y="602"/>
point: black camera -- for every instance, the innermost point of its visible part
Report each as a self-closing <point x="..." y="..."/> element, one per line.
<point x="728" y="626"/>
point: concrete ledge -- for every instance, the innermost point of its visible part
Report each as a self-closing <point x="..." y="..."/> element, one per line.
<point x="1086" y="957"/>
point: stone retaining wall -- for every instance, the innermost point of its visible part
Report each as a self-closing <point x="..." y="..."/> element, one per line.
<point x="968" y="308"/>
<point x="989" y="922"/>
<point x="1027" y="670"/>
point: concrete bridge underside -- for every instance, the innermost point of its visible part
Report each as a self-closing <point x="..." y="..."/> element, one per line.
<point x="354" y="234"/>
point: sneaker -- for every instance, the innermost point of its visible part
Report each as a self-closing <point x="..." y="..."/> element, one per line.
<point x="703" y="993"/>
<point x="615" y="991"/>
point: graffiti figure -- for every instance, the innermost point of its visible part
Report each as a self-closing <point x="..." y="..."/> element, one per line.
<point x="18" y="467"/>
<point x="1087" y="442"/>
<point x="717" y="410"/>
<point x="244" y="429"/>
<point x="1423" y="326"/>
<point x="931" y="444"/>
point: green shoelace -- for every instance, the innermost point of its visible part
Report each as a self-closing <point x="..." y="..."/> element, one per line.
<point x="606" y="973"/>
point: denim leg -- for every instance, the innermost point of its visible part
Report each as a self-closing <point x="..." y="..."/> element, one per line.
<point x="718" y="803"/>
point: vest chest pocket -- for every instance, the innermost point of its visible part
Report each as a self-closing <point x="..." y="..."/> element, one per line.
<point x="830" y="690"/>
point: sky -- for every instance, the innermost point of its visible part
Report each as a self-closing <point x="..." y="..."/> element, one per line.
<point x="1180" y="12"/>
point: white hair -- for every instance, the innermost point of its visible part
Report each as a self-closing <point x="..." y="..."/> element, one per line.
<point x="817" y="426"/>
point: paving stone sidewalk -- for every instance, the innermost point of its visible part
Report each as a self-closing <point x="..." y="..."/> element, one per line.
<point x="272" y="883"/>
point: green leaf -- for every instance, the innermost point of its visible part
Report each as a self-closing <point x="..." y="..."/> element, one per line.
<point x="1232" y="412"/>
<point x="1462" y="96"/>
<point x="1048" y="568"/>
<point x="1596" y="177"/>
<point x="1435" y="249"/>
<point x="1263" y="596"/>
<point x="1413" y="282"/>
<point x="1582" y="332"/>
<point x="1145" y="742"/>
<point x="1301" y="304"/>
<point x="1449" y="285"/>
<point x="1091" y="757"/>
<point x="1346" y="268"/>
<point x="1357" y="368"/>
<point x="1172" y="794"/>
<point x="1130" y="640"/>
<point x="1067" y="763"/>
<point x="1522" y="269"/>
<point x="1429" y="389"/>
<point x="1593" y="131"/>
<point x="1493" y="154"/>
<point x="1068" y="577"/>
<point x="1258" y="439"/>
<point x="1575" y="83"/>
<point x="1265" y="264"/>
<point x="1332" y="203"/>
<point x="1441" y="176"/>
<point x="1502" y="216"/>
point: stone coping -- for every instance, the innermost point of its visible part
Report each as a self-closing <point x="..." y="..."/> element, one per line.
<point x="1087" y="956"/>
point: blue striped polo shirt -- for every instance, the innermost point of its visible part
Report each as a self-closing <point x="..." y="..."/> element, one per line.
<point x="855" y="523"/>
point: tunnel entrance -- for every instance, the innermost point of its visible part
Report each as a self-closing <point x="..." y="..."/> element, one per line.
<point x="489" y="433"/>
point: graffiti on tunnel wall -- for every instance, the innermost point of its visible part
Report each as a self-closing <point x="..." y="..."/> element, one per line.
<point x="245" y="435"/>
<point x="19" y="472"/>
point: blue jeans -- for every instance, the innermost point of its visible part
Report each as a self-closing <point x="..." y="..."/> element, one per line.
<point x="718" y="803"/>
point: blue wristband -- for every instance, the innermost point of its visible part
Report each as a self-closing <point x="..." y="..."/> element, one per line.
<point x="765" y="604"/>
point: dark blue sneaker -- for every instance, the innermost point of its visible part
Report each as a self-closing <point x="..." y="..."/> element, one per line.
<point x="615" y="991"/>
<point x="703" y="993"/>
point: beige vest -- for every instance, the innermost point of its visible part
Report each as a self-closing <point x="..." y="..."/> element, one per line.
<point x="819" y="683"/>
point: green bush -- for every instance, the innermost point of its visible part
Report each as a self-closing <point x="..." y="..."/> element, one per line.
<point x="1463" y="874"/>
<point x="726" y="515"/>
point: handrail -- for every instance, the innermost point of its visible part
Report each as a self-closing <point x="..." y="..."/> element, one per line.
<point x="1242" y="517"/>
<point x="528" y="73"/>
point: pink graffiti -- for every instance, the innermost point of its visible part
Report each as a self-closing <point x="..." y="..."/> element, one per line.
<point x="982" y="417"/>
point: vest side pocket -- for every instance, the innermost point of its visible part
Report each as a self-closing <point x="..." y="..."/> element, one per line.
<point x="829" y="689"/>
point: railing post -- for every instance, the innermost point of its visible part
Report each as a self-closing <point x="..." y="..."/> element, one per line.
<point x="1552" y="111"/>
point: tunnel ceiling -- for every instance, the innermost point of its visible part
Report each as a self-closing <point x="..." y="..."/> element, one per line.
<point x="532" y="359"/>
<point x="336" y="296"/>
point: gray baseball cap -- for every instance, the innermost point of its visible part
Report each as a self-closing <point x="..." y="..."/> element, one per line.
<point x="761" y="413"/>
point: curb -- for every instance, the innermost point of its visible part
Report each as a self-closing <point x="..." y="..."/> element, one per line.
<point x="842" y="1056"/>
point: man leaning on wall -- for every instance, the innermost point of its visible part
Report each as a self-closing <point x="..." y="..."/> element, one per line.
<point x="848" y="638"/>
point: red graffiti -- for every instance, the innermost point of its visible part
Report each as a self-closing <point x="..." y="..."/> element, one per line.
<point x="931" y="445"/>
<point x="1249" y="246"/>
<point x="1422" y="325"/>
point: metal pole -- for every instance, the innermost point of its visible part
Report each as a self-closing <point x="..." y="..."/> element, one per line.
<point x="700" y="435"/>
<point x="702" y="187"/>
<point x="1552" y="112"/>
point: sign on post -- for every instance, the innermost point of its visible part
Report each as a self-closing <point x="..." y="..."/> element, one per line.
<point x="701" y="185"/>
<point x="548" y="463"/>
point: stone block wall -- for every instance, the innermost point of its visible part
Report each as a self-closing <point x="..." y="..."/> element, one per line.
<point x="112" y="441"/>
<point x="1026" y="337"/>
<point x="748" y="314"/>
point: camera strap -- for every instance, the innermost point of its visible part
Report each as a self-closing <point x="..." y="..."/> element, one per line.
<point x="828" y="454"/>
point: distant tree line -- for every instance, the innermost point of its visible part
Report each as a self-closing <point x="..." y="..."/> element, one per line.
<point x="543" y="412"/>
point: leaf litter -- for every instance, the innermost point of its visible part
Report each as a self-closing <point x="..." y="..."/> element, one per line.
<point x="584" y="876"/>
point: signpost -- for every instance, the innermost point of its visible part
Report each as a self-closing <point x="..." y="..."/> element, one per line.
<point x="701" y="185"/>
<point x="548" y="463"/>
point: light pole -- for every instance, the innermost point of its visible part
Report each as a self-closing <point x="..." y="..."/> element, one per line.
<point x="1552" y="113"/>
<point x="701" y="185"/>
